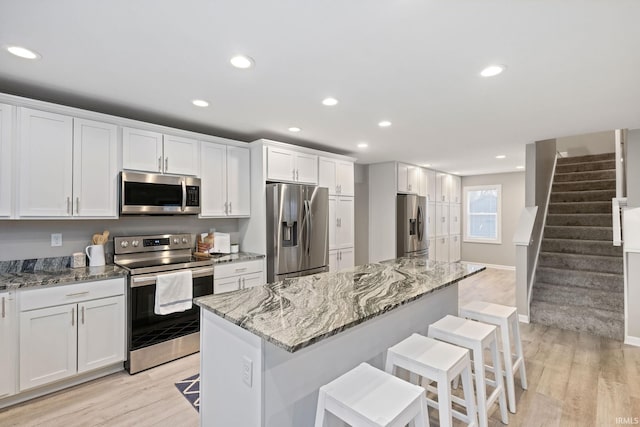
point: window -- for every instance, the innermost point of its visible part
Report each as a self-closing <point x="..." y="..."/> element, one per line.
<point x="482" y="214"/>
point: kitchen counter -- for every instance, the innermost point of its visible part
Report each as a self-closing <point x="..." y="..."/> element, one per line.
<point x="239" y="257"/>
<point x="50" y="272"/>
<point x="282" y="341"/>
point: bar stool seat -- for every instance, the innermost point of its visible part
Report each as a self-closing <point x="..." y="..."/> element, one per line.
<point x="476" y="336"/>
<point x="366" y="396"/>
<point x="440" y="362"/>
<point x="506" y="319"/>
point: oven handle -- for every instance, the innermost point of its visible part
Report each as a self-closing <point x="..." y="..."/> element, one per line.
<point x="150" y="279"/>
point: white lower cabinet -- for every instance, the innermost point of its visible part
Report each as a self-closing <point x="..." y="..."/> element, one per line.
<point x="238" y="275"/>
<point x="340" y="259"/>
<point x="68" y="330"/>
<point x="8" y="347"/>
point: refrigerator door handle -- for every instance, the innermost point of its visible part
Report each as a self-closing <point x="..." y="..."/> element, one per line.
<point x="420" y="224"/>
<point x="307" y="218"/>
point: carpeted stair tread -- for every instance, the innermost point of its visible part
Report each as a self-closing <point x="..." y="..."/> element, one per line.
<point x="581" y="297"/>
<point x="584" y="247"/>
<point x="586" y="159"/>
<point x="580" y="207"/>
<point x="579" y="278"/>
<point x="600" y="184"/>
<point x="588" y="166"/>
<point x="578" y="232"/>
<point x="584" y="176"/>
<point x="583" y="196"/>
<point x="597" y="263"/>
<point x="598" y="220"/>
<point x="594" y="321"/>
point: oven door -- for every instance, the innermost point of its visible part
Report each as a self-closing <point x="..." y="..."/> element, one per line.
<point x="147" y="328"/>
<point x="154" y="194"/>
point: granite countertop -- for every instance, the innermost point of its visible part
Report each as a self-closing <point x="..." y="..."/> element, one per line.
<point x="51" y="271"/>
<point x="296" y="313"/>
<point x="239" y="257"/>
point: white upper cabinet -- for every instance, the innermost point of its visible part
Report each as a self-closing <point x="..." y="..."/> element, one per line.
<point x="148" y="151"/>
<point x="95" y="169"/>
<point x="427" y="183"/>
<point x="225" y="175"/>
<point x="68" y="167"/>
<point x="443" y="187"/>
<point x="337" y="176"/>
<point x="45" y="153"/>
<point x="344" y="222"/>
<point x="456" y="189"/>
<point x="6" y="161"/>
<point x="408" y="178"/>
<point x="288" y="165"/>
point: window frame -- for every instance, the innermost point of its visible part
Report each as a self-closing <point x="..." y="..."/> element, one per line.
<point x="466" y="237"/>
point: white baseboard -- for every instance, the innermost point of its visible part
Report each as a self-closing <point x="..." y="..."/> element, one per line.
<point x="634" y="341"/>
<point x="496" y="266"/>
<point x="523" y="319"/>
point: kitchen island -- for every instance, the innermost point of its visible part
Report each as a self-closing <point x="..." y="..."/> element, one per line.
<point x="265" y="351"/>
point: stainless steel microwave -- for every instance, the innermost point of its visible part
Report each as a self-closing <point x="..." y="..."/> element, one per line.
<point x="154" y="194"/>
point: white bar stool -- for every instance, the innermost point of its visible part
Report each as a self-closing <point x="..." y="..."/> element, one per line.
<point x="504" y="318"/>
<point x="440" y="362"/>
<point x="476" y="337"/>
<point x="366" y="396"/>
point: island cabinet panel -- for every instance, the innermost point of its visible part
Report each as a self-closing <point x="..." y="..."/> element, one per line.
<point x="8" y="347"/>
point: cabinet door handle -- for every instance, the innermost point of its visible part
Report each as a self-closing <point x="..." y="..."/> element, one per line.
<point x="78" y="205"/>
<point x="166" y="164"/>
<point x="69" y="205"/>
<point x="160" y="164"/>
<point x="294" y="175"/>
<point x="297" y="175"/>
<point x="244" y="285"/>
<point x="239" y="283"/>
<point x="4" y="310"/>
<point x="73" y="316"/>
<point x="230" y="207"/>
<point x="83" y="314"/>
<point x="226" y="208"/>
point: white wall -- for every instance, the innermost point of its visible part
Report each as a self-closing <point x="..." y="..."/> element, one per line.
<point x="361" y="214"/>
<point x="513" y="186"/>
<point x="590" y="143"/>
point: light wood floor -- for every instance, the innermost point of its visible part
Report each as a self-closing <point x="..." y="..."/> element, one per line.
<point x="574" y="380"/>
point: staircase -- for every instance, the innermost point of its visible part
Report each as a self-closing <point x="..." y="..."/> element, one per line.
<point x="579" y="282"/>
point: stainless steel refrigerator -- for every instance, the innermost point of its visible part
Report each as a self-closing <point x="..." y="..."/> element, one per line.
<point x="297" y="230"/>
<point x="411" y="221"/>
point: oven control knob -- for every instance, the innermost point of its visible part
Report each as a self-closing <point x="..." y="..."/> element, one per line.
<point x="124" y="243"/>
<point x="176" y="240"/>
<point x="135" y="243"/>
<point x="184" y="240"/>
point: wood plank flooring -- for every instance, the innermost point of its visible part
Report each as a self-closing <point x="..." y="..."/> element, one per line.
<point x="574" y="380"/>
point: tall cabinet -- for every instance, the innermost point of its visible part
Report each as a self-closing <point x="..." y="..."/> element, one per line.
<point x="6" y="160"/>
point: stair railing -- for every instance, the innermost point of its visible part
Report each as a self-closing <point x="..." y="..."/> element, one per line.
<point x="619" y="202"/>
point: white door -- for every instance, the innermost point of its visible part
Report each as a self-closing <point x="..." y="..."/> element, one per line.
<point x="101" y="337"/>
<point x="95" y="169"/>
<point x="443" y="185"/>
<point x="253" y="279"/>
<point x="454" y="218"/>
<point x="442" y="249"/>
<point x="239" y="181"/>
<point x="346" y="259"/>
<point x="327" y="175"/>
<point x="442" y="215"/>
<point x="432" y="219"/>
<point x="142" y="150"/>
<point x="431" y="185"/>
<point x="213" y="175"/>
<point x="456" y="189"/>
<point x="413" y="185"/>
<point x="345" y="178"/>
<point x="45" y="153"/>
<point x="8" y="347"/>
<point x="431" y="244"/>
<point x="306" y="168"/>
<point x="344" y="218"/>
<point x="280" y="164"/>
<point x="226" y="284"/>
<point x="403" y="178"/>
<point x="333" y="222"/>
<point x="422" y="183"/>
<point x="454" y="248"/>
<point x="48" y="345"/>
<point x="180" y="155"/>
<point x="333" y="261"/>
<point x="6" y="159"/>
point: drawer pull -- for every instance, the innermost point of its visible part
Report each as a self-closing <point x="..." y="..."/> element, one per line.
<point x="3" y="308"/>
<point x="83" y="314"/>
<point x="73" y="316"/>
<point x="77" y="294"/>
<point x="240" y="270"/>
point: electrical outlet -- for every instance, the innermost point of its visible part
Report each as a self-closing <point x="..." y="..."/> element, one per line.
<point x="56" y="239"/>
<point x="247" y="370"/>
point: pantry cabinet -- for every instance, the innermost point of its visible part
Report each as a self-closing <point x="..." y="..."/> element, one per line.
<point x="455" y="192"/>
<point x="8" y="348"/>
<point x="337" y="176"/>
<point x="286" y="165"/>
<point x="442" y="249"/>
<point x="427" y="184"/>
<point x="149" y="151"/>
<point x="234" y="276"/>
<point x="454" y="248"/>
<point x="454" y="218"/>
<point x="341" y="227"/>
<point x="442" y="219"/>
<point x="408" y="178"/>
<point x="340" y="259"/>
<point x="225" y="175"/>
<point x="6" y="160"/>
<point x="68" y="167"/>
<point x="71" y="329"/>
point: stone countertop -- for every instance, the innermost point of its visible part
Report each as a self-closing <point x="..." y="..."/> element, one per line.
<point x="296" y="313"/>
<point x="239" y="257"/>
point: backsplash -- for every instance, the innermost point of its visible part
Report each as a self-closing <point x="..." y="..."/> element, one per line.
<point x="35" y="264"/>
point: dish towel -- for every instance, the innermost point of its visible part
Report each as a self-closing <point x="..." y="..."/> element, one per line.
<point x="174" y="292"/>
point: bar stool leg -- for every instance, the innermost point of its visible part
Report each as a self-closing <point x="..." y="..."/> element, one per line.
<point x="320" y="409"/>
<point x="502" y="398"/>
<point x="467" y="388"/>
<point x="508" y="365"/>
<point x="481" y="388"/>
<point x="444" y="402"/>
<point x="423" y="421"/>
<point x="519" y="352"/>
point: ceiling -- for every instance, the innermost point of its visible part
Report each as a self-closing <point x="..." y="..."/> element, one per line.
<point x="572" y="68"/>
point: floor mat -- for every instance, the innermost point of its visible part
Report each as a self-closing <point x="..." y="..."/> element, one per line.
<point x="190" y="389"/>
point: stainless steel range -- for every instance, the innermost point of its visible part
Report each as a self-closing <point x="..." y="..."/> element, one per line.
<point x="155" y="339"/>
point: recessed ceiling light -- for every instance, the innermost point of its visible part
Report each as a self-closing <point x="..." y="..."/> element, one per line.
<point x="23" y="52"/>
<point x="294" y="129"/>
<point x="363" y="145"/>
<point x="426" y="165"/>
<point x="384" y="124"/>
<point x="456" y="173"/>
<point x="501" y="156"/>
<point x="241" y="61"/>
<point x="200" y="103"/>
<point x="492" y="70"/>
<point x="519" y="167"/>
<point x="329" y="102"/>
